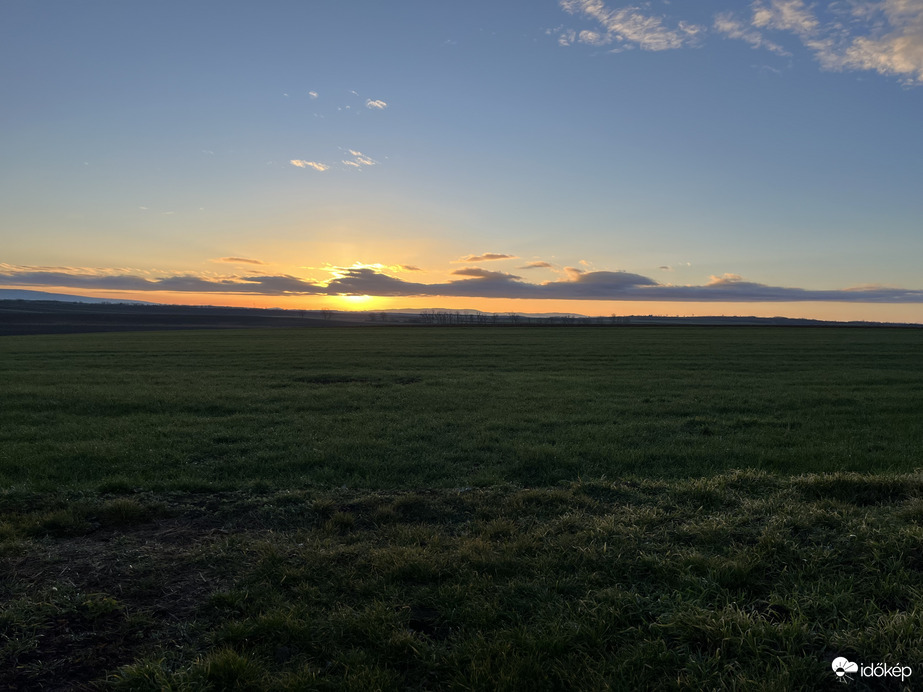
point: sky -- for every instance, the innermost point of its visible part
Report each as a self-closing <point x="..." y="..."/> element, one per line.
<point x="586" y="156"/>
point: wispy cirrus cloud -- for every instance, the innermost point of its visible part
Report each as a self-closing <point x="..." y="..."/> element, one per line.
<point x="359" y="160"/>
<point x="883" y="36"/>
<point x="376" y="104"/>
<point x="577" y="284"/>
<point x="785" y="15"/>
<point x="627" y="27"/>
<point x="310" y="164"/>
<point x="486" y="257"/>
<point x="896" y="47"/>
<point x="726" y="23"/>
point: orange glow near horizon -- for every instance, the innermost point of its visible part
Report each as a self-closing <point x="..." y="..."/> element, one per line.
<point x="872" y="312"/>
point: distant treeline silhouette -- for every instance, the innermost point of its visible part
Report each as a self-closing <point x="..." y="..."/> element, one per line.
<point x="449" y="317"/>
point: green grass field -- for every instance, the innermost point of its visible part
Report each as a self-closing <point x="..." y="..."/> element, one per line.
<point x="451" y="508"/>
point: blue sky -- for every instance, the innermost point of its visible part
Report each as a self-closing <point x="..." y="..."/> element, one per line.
<point x="595" y="157"/>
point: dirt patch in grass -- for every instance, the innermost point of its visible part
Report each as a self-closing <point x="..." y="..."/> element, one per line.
<point x="80" y="607"/>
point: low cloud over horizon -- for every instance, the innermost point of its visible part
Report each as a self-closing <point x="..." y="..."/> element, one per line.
<point x="238" y="260"/>
<point x="479" y="283"/>
<point x="486" y="257"/>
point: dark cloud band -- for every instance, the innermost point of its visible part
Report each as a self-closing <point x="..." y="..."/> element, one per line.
<point x="591" y="285"/>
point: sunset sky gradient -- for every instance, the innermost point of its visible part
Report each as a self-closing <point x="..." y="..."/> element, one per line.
<point x="715" y="157"/>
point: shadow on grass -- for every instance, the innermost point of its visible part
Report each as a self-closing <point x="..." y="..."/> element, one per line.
<point x="737" y="580"/>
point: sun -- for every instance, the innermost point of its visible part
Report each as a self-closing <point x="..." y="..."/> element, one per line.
<point x="357" y="302"/>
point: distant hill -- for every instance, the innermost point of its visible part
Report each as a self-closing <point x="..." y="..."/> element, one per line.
<point x="50" y="315"/>
<point x="468" y="311"/>
<point x="39" y="312"/>
<point x="19" y="294"/>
